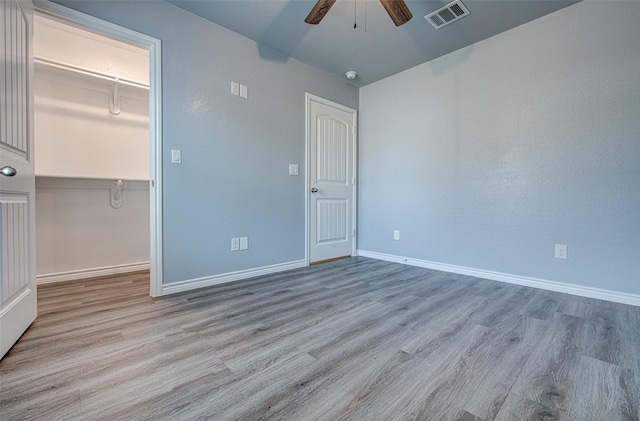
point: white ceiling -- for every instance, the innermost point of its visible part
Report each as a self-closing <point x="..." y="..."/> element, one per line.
<point x="376" y="48"/>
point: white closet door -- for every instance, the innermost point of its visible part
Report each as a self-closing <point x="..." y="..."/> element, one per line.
<point x="18" y="306"/>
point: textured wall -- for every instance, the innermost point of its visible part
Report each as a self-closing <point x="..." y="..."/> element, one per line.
<point x="234" y="178"/>
<point x="488" y="156"/>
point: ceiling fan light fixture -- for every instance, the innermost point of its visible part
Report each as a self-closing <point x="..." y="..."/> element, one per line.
<point x="397" y="10"/>
<point x="351" y="75"/>
<point x="319" y="10"/>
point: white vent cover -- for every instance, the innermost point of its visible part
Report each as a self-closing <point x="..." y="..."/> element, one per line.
<point x="447" y="14"/>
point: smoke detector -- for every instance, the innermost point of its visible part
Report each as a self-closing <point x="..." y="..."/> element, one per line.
<point x="351" y="75"/>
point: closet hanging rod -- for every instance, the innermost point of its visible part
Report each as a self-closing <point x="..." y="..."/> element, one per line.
<point x="89" y="72"/>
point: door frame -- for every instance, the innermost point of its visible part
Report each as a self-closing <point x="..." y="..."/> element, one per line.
<point x="154" y="46"/>
<point x="307" y="182"/>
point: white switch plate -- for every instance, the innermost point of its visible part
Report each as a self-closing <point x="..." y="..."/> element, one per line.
<point x="396" y="234"/>
<point x="243" y="91"/>
<point x="561" y="251"/>
<point x="293" y="169"/>
<point x="244" y="243"/>
<point x="235" y="88"/>
<point x="235" y="244"/>
<point x="176" y="156"/>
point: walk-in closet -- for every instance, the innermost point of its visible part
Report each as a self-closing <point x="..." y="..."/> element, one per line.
<point x="91" y="126"/>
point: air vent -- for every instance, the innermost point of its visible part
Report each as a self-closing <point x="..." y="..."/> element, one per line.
<point x="445" y="15"/>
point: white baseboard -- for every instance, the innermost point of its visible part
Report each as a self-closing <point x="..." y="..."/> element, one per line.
<point x="190" y="284"/>
<point x="90" y="273"/>
<point x="583" y="291"/>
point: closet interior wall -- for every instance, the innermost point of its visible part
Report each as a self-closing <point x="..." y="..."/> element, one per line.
<point x="91" y="122"/>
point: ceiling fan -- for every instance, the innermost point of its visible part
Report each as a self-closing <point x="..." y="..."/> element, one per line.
<point x="397" y="10"/>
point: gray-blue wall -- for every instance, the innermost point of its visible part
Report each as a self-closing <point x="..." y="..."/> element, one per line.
<point x="487" y="157"/>
<point x="484" y="158"/>
<point x="234" y="180"/>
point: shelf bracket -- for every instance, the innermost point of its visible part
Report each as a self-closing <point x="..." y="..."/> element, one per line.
<point x="116" y="195"/>
<point x="114" y="99"/>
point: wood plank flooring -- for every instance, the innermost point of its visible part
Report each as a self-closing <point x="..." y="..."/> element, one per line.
<point x="354" y="339"/>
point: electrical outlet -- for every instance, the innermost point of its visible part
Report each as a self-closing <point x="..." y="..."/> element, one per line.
<point x="396" y="234"/>
<point x="244" y="243"/>
<point x="561" y="251"/>
<point x="235" y="244"/>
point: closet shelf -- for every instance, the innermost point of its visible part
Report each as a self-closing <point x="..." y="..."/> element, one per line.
<point x="90" y="183"/>
<point x="52" y="64"/>
<point x="85" y="177"/>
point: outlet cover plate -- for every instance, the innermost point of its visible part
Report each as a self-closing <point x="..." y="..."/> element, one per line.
<point x="561" y="251"/>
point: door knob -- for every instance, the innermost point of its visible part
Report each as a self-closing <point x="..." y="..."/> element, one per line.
<point x="314" y="190"/>
<point x="8" y="171"/>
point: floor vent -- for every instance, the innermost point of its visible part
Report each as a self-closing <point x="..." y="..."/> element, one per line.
<point x="447" y="14"/>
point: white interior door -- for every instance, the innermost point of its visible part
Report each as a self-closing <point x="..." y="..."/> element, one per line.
<point x="331" y="179"/>
<point x="18" y="306"/>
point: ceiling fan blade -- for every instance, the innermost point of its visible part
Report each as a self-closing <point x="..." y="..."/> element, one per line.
<point x="398" y="11"/>
<point x="319" y="10"/>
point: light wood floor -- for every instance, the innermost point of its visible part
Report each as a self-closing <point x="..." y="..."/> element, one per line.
<point x="356" y="339"/>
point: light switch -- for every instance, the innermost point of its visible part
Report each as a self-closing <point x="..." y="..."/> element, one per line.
<point x="293" y="169"/>
<point x="176" y="156"/>
<point x="235" y="88"/>
<point x="244" y="243"/>
<point x="243" y="91"/>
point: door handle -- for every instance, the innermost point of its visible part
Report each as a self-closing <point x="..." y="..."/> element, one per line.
<point x="314" y="190"/>
<point x="8" y="171"/>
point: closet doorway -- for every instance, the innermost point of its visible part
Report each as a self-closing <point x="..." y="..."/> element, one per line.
<point x="97" y="143"/>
